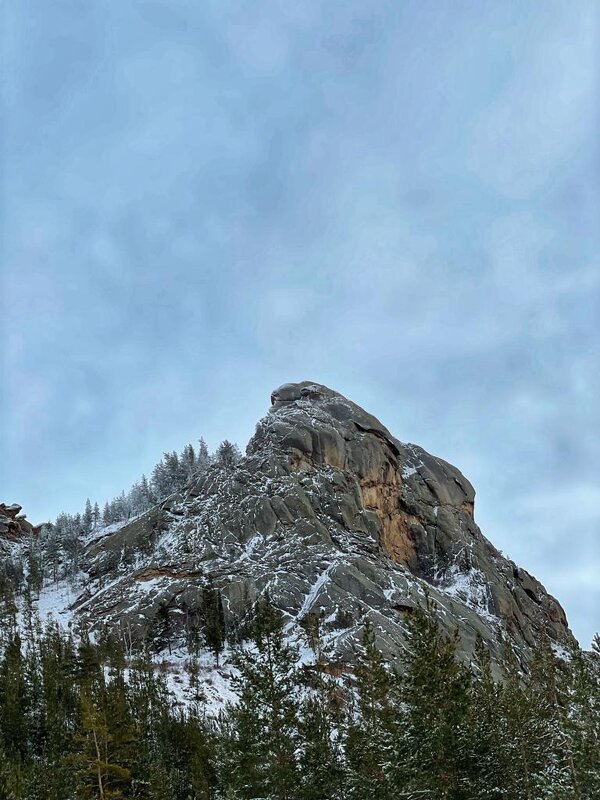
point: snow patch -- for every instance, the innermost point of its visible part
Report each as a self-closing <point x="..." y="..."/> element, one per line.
<point x="250" y="547"/>
<point x="310" y="598"/>
<point x="470" y="587"/>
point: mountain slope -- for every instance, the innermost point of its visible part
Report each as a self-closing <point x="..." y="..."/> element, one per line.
<point x="329" y="514"/>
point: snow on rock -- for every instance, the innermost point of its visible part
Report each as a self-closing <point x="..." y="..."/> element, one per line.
<point x="54" y="603"/>
<point x="471" y="588"/>
<point x="328" y="513"/>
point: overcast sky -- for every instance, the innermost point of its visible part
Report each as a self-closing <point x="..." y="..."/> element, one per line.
<point x="204" y="200"/>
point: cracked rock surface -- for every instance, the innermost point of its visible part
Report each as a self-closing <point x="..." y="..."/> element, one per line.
<point x="14" y="526"/>
<point x="330" y="514"/>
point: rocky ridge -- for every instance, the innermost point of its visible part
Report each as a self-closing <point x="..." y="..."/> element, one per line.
<point x="14" y="525"/>
<point x="329" y="514"/>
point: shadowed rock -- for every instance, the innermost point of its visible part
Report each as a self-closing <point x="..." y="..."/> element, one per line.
<point x="331" y="515"/>
<point x="14" y="525"/>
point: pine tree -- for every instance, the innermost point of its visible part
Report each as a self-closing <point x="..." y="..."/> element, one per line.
<point x="370" y="735"/>
<point x="173" y="471"/>
<point x="148" y="498"/>
<point x="227" y="455"/>
<point x="87" y="520"/>
<point x="11" y="781"/>
<point x="8" y="614"/>
<point x="120" y="508"/>
<point x="547" y="686"/>
<point x="166" y="476"/>
<point x="213" y="620"/>
<point x="483" y="768"/>
<point x="14" y="700"/>
<point x="320" y="757"/>
<point x="98" y="774"/>
<point x="203" y="456"/>
<point x="137" y="499"/>
<point x="51" y="551"/>
<point x="188" y="744"/>
<point x="521" y="732"/>
<point x="187" y="461"/>
<point x="35" y="572"/>
<point x="61" y="708"/>
<point x="584" y="722"/>
<point x="162" y="632"/>
<point x="435" y="696"/>
<point x="32" y="674"/>
<point x="261" y="735"/>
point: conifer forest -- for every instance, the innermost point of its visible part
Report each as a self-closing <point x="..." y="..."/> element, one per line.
<point x="83" y="719"/>
<point x="338" y="263"/>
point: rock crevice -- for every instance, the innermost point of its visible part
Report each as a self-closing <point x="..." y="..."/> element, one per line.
<point x="330" y="514"/>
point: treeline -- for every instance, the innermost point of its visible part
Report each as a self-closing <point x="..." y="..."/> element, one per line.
<point x="55" y="554"/>
<point x="168" y="476"/>
<point x="79" y="720"/>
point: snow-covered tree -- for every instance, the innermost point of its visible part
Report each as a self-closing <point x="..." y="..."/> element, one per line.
<point x="87" y="520"/>
<point x="203" y="458"/>
<point x="96" y="516"/>
<point x="228" y="454"/>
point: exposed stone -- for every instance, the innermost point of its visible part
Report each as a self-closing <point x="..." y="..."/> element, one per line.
<point x="12" y="510"/>
<point x="14" y="525"/>
<point x="328" y="513"/>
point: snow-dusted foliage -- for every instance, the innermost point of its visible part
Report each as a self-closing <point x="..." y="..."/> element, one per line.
<point x="328" y="598"/>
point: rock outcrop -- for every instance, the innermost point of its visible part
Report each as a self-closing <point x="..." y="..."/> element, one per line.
<point x="331" y="515"/>
<point x="14" y="525"/>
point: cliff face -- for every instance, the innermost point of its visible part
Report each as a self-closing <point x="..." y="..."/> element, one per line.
<point x="329" y="514"/>
<point x="14" y="526"/>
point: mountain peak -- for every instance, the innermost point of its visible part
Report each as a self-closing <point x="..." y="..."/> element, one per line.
<point x="331" y="515"/>
<point x="309" y="394"/>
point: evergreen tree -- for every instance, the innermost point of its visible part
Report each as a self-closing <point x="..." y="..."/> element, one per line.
<point x="521" y="746"/>
<point x="370" y="734"/>
<point x="51" y="551"/>
<point x="187" y="462"/>
<point x="98" y="774"/>
<point x="137" y="498"/>
<point x="147" y="496"/>
<point x="582" y="722"/>
<point x="228" y="454"/>
<point x="10" y="777"/>
<point x="87" y="520"/>
<point x="212" y="617"/>
<point x="203" y="456"/>
<point x="320" y="756"/>
<point x="14" y="700"/>
<point x="485" y="770"/>
<point x="120" y="508"/>
<point x="432" y="756"/>
<point x="547" y="686"/>
<point x="261" y="734"/>
<point x="35" y="572"/>
<point x="174" y="472"/>
<point x="164" y="475"/>
<point x="87" y="719"/>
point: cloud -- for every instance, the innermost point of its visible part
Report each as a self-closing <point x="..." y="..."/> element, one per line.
<point x="542" y="115"/>
<point x="207" y="200"/>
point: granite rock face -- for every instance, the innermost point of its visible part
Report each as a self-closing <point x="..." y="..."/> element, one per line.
<point x="331" y="515"/>
<point x="14" y="525"/>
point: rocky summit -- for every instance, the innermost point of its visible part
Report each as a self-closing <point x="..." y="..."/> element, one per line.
<point x="330" y="515"/>
<point x="14" y="525"/>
